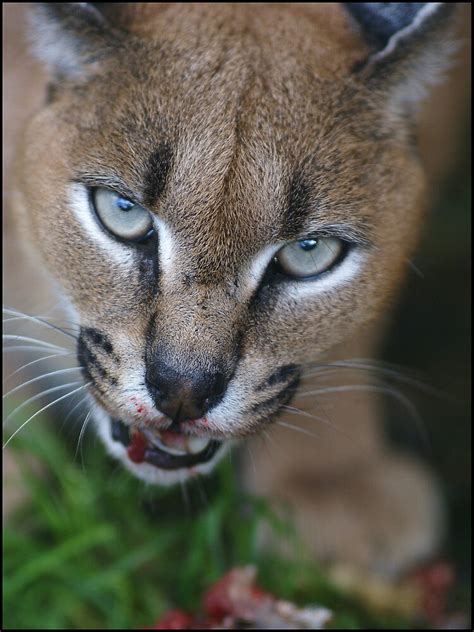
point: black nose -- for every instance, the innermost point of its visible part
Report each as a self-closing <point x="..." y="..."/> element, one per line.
<point x="182" y="396"/>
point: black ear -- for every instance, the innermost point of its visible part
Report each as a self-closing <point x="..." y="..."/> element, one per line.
<point x="380" y="20"/>
<point x="411" y="44"/>
<point x="70" y="37"/>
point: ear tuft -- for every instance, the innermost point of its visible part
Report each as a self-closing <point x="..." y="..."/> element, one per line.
<point x="380" y="20"/>
<point x="412" y="45"/>
<point x="68" y="36"/>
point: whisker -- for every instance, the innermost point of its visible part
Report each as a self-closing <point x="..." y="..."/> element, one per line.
<point x="364" y="361"/>
<point x="415" y="268"/>
<point x="252" y="458"/>
<point x="41" y="410"/>
<point x="75" y="407"/>
<point x="387" y="371"/>
<point x="35" y="348"/>
<point x="38" y="396"/>
<point x="266" y="439"/>
<point x="385" y="390"/>
<point x="64" y="330"/>
<point x="377" y="365"/>
<point x="40" y="342"/>
<point x="293" y="409"/>
<point x="81" y="435"/>
<point x="268" y="442"/>
<point x="41" y="377"/>
<point x="36" y="319"/>
<point x="53" y="355"/>
<point x="202" y="491"/>
<point x="185" y="496"/>
<point x="332" y="425"/>
<point x="267" y="435"/>
<point x="298" y="429"/>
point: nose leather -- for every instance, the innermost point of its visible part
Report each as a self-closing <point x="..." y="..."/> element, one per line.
<point x="183" y="395"/>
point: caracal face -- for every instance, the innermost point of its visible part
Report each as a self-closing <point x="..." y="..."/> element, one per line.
<point x="222" y="194"/>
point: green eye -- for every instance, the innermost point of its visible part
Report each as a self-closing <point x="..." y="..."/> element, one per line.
<point x="121" y="217"/>
<point x="309" y="257"/>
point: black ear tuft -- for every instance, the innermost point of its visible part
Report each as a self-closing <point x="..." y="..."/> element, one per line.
<point x="380" y="20"/>
<point x="412" y="45"/>
<point x="69" y="36"/>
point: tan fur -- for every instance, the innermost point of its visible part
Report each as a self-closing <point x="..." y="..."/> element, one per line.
<point x="245" y="95"/>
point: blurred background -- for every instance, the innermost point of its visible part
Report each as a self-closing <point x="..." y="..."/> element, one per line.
<point x="69" y="548"/>
<point x="431" y="331"/>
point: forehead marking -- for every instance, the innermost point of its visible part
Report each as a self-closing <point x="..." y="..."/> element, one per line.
<point x="298" y="204"/>
<point x="158" y="168"/>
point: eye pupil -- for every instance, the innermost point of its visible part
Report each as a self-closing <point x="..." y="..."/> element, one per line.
<point x="308" y="244"/>
<point x="124" y="204"/>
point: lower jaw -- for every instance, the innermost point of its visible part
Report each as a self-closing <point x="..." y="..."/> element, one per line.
<point x="147" y="472"/>
<point x="141" y="449"/>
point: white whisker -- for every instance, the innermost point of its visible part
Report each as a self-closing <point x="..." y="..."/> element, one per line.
<point x="185" y="496"/>
<point x="41" y="377"/>
<point x="371" y="388"/>
<point x="298" y="429"/>
<point x="252" y="459"/>
<point x="415" y="268"/>
<point x="81" y="434"/>
<point x="53" y="355"/>
<point x="36" y="319"/>
<point x="64" y="330"/>
<point x="35" y="348"/>
<point x="40" y="342"/>
<point x="268" y="437"/>
<point x="361" y="364"/>
<point x="40" y="411"/>
<point x="202" y="491"/>
<point x="331" y="424"/>
<point x="38" y="396"/>
<point x="75" y="407"/>
<point x="293" y="409"/>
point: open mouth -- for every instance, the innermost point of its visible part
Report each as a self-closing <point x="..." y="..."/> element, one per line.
<point x="164" y="449"/>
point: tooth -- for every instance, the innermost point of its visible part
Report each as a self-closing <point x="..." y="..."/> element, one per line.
<point x="196" y="444"/>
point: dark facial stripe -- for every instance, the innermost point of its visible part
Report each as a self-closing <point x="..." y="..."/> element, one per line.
<point x="88" y="359"/>
<point x="148" y="267"/>
<point x="298" y="205"/>
<point x="156" y="176"/>
<point x="272" y="404"/>
<point x="98" y="339"/>
<point x="282" y="374"/>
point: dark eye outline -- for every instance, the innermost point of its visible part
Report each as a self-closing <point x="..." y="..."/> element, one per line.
<point x="276" y="272"/>
<point x="141" y="241"/>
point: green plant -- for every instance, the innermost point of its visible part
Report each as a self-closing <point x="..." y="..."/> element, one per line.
<point x="95" y="548"/>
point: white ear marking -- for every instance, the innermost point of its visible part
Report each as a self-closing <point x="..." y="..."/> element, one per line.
<point x="64" y="35"/>
<point x="429" y="64"/>
<point x="414" y="56"/>
<point x="429" y="9"/>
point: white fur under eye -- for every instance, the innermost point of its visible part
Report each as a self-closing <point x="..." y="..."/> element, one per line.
<point x="79" y="204"/>
<point x="349" y="267"/>
<point x="120" y="216"/>
<point x="307" y="258"/>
